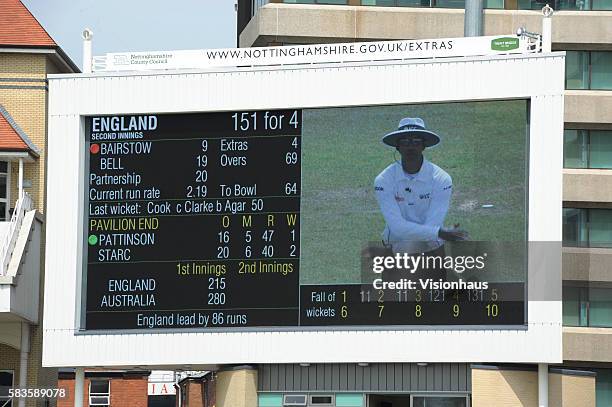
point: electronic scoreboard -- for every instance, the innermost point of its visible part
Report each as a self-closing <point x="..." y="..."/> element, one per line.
<point x="215" y="220"/>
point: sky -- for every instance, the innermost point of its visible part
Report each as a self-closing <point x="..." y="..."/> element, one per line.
<point x="137" y="25"/>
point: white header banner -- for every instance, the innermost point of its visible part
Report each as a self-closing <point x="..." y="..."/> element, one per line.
<point x="318" y="53"/>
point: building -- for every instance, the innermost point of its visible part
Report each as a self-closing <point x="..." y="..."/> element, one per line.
<point x="112" y="388"/>
<point x="581" y="28"/>
<point x="27" y="55"/>
<point x="196" y="389"/>
<point x="134" y="388"/>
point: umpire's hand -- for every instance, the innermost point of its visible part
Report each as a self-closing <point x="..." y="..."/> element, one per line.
<point x="453" y="234"/>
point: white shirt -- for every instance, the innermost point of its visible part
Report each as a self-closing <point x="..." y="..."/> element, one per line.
<point x="414" y="206"/>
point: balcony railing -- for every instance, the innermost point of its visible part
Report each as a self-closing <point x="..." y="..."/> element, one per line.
<point x="23" y="205"/>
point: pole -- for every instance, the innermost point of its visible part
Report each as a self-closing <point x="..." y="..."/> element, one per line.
<point x="473" y="18"/>
<point x="20" y="177"/>
<point x="23" y="359"/>
<point x="87" y="57"/>
<point x="543" y="385"/>
<point x="547" y="11"/>
<point x="79" y="382"/>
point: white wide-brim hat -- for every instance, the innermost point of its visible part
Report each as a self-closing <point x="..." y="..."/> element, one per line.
<point x="411" y="127"/>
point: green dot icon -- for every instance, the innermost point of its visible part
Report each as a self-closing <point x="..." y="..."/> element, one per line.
<point x="93" y="239"/>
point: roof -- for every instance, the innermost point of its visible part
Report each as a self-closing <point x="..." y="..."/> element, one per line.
<point x="12" y="138"/>
<point x="199" y="377"/>
<point x="19" y="27"/>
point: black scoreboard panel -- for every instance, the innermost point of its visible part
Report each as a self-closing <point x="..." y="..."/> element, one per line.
<point x="360" y="304"/>
<point x="193" y="221"/>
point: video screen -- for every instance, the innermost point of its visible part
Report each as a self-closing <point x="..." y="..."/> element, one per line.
<point x="387" y="215"/>
<point x="473" y="176"/>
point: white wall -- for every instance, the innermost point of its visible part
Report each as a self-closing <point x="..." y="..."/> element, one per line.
<point x="538" y="77"/>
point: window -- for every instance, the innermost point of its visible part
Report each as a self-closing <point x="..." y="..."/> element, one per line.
<point x="5" y="170"/>
<point x="587" y="149"/>
<point x="600" y="149"/>
<point x="566" y="4"/>
<point x="439" y="401"/>
<point x="576" y="70"/>
<point x="587" y="227"/>
<point x="270" y="400"/>
<point x="6" y="382"/>
<point x="397" y="3"/>
<point x="256" y="5"/>
<point x="587" y="306"/>
<point x="600" y="227"/>
<point x="588" y="70"/>
<point x="493" y="4"/>
<point x="575" y="149"/>
<point x="99" y="393"/>
<point x="603" y="387"/>
<point x="294" y="400"/>
<point x="602" y="5"/>
<point x="350" y="400"/>
<point x="321" y="400"/>
<point x="600" y="307"/>
<point x="574" y="227"/>
<point x="450" y="3"/>
<point x="575" y="300"/>
<point x="601" y="70"/>
<point x="429" y="3"/>
<point x="340" y="2"/>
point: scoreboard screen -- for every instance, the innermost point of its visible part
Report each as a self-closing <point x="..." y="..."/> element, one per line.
<point x="395" y="215"/>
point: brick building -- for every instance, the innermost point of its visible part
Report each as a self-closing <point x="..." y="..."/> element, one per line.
<point x="197" y="390"/>
<point x="111" y="388"/>
<point x="27" y="55"/>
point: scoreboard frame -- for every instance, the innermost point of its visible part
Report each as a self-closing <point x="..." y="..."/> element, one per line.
<point x="346" y="84"/>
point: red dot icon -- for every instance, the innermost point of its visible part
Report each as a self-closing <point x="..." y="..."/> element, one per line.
<point x="95" y="148"/>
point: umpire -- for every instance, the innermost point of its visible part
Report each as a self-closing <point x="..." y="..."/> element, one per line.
<point x="414" y="194"/>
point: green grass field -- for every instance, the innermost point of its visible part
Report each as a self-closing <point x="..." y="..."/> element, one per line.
<point x="483" y="149"/>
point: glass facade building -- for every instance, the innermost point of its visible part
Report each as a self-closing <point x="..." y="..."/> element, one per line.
<point x="587" y="225"/>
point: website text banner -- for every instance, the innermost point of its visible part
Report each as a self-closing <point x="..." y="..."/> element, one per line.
<point x="318" y="53"/>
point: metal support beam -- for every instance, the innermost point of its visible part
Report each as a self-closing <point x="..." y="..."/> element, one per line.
<point x="473" y="18"/>
<point x="543" y="385"/>
<point x="20" y="177"/>
<point x="23" y="359"/>
<point x="79" y="385"/>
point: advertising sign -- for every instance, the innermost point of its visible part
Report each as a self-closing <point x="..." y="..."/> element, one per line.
<point x="319" y="53"/>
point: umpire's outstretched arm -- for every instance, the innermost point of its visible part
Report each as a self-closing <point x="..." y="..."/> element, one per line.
<point x="406" y="230"/>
